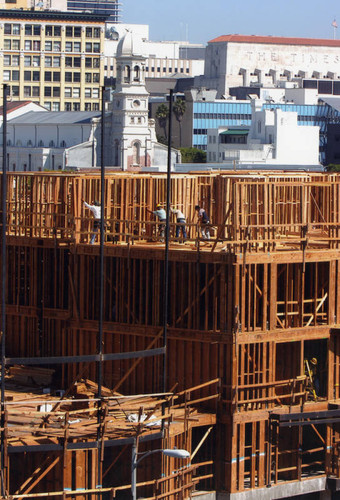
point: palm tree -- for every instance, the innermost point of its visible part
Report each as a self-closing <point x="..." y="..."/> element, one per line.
<point x="162" y="114"/>
<point x="179" y="110"/>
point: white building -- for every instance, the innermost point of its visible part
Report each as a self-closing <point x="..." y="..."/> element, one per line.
<point x="163" y="59"/>
<point x="43" y="140"/>
<point x="238" y="60"/>
<point x="274" y="138"/>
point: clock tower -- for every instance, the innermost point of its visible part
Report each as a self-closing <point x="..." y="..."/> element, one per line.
<point x="132" y="135"/>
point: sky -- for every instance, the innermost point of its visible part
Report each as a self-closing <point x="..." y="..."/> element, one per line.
<point x="199" y="21"/>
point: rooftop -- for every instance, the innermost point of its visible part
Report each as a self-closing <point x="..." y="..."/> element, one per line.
<point x="276" y="40"/>
<point x="55" y="117"/>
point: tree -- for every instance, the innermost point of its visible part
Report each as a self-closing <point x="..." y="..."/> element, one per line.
<point x="179" y="110"/>
<point x="162" y="114"/>
<point x="193" y="155"/>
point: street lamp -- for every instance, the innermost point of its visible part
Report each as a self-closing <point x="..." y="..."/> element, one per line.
<point x="174" y="453"/>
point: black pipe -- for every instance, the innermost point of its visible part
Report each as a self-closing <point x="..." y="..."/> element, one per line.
<point x="3" y="286"/>
<point x="167" y="234"/>
<point x="101" y="293"/>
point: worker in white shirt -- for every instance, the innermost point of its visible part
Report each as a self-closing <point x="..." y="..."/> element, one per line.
<point x="96" y="210"/>
<point x="160" y="213"/>
<point x="180" y="226"/>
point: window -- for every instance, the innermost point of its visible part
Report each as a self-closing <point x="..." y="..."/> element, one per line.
<point x="36" y="61"/>
<point x="48" y="76"/>
<point x="68" y="76"/>
<point x="57" y="30"/>
<point x="16" y="44"/>
<point x="68" y="92"/>
<point x="6" y="75"/>
<point x="63" y="143"/>
<point x="88" y="77"/>
<point x="76" y="62"/>
<point x="87" y="106"/>
<point x="47" y="91"/>
<point x="76" y="77"/>
<point x="96" y="62"/>
<point x="76" y="47"/>
<point x="48" y="45"/>
<point x="96" y="48"/>
<point x="28" y="44"/>
<point x="68" y="47"/>
<point x="16" y="29"/>
<point x="68" y="107"/>
<point x="88" y="47"/>
<point x="8" y="29"/>
<point x="76" y="106"/>
<point x="76" y="92"/>
<point x="95" y="77"/>
<point x="15" y="90"/>
<point x="69" y="31"/>
<point x="48" y="106"/>
<point x="95" y="106"/>
<point x="15" y="75"/>
<point x="27" y="76"/>
<point x="56" y="91"/>
<point x="55" y="107"/>
<point x="88" y="32"/>
<point x="7" y="60"/>
<point x="95" y="93"/>
<point x="36" y="29"/>
<point x="49" y="30"/>
<point x="7" y="44"/>
<point x="77" y="32"/>
<point x="87" y="93"/>
<point x="56" y="76"/>
<point x="28" y="29"/>
<point x="88" y="62"/>
<point x="68" y="62"/>
<point x="36" y="91"/>
<point x="48" y="61"/>
<point x="96" y="32"/>
<point x="27" y="92"/>
<point x="56" y="46"/>
<point x="36" y="76"/>
<point x="51" y="144"/>
<point x="29" y="142"/>
<point x="56" y="62"/>
<point x="36" y="45"/>
<point x="15" y="60"/>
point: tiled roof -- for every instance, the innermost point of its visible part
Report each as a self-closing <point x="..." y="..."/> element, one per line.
<point x="278" y="40"/>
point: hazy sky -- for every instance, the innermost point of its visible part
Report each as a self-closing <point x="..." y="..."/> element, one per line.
<point x="202" y="20"/>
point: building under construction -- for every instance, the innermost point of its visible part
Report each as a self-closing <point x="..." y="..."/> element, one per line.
<point x="247" y="378"/>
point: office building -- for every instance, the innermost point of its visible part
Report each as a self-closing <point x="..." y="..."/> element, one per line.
<point x="53" y="58"/>
<point x="108" y="7"/>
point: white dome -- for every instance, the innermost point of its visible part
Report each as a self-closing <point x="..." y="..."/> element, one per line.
<point x="130" y="45"/>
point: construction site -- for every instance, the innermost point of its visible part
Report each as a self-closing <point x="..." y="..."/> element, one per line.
<point x="236" y="360"/>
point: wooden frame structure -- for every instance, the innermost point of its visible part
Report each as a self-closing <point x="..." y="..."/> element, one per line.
<point x="249" y="308"/>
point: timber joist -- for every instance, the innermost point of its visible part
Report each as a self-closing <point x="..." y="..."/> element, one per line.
<point x="257" y="307"/>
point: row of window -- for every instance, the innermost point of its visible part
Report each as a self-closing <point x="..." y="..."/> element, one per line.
<point x="50" y="46"/>
<point x="41" y="143"/>
<point x="50" y="30"/>
<point x="49" y="76"/>
<point x="166" y="70"/>
<point x="223" y="116"/>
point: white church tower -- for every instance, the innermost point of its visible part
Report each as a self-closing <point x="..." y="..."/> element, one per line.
<point x="132" y="134"/>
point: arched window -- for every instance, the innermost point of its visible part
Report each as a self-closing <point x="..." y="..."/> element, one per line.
<point x="63" y="144"/>
<point x="127" y="74"/>
<point x="136" y="74"/>
<point x="136" y="153"/>
<point x="29" y="143"/>
<point x="41" y="144"/>
<point x="19" y="143"/>
<point x="9" y="142"/>
<point x="51" y="144"/>
<point x="116" y="153"/>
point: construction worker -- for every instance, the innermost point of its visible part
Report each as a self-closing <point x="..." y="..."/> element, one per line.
<point x="180" y="219"/>
<point x="160" y="213"/>
<point x="96" y="210"/>
<point x="203" y="221"/>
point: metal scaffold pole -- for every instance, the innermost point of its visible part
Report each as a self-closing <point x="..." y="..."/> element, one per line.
<point x="3" y="289"/>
